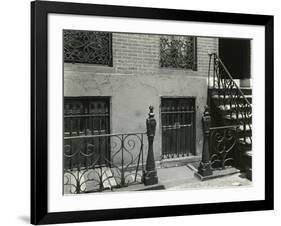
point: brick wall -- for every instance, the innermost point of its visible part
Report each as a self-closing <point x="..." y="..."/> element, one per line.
<point x="135" y="53"/>
<point x="204" y="46"/>
<point x="138" y="53"/>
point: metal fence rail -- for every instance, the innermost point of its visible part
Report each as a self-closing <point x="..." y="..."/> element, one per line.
<point x="230" y="96"/>
<point x="99" y="162"/>
<point x="223" y="146"/>
<point x="219" y="148"/>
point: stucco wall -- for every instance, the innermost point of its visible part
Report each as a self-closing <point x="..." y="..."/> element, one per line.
<point x="136" y="81"/>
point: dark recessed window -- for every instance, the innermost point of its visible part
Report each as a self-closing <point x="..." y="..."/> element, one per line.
<point x="86" y="116"/>
<point x="178" y="52"/>
<point x="91" y="47"/>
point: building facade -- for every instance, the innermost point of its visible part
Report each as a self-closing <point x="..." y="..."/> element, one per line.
<point x="137" y="73"/>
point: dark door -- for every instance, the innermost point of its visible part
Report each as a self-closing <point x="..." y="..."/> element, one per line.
<point x="178" y="127"/>
<point x="236" y="55"/>
<point x="85" y="117"/>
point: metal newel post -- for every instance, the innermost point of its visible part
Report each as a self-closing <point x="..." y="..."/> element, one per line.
<point x="204" y="168"/>
<point x="150" y="173"/>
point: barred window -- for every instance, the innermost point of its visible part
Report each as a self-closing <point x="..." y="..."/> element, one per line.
<point x="178" y="52"/>
<point x="86" y="115"/>
<point x="91" y="47"/>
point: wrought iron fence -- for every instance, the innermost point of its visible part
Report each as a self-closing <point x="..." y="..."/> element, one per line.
<point x="223" y="143"/>
<point x="230" y="98"/>
<point x="98" y="162"/>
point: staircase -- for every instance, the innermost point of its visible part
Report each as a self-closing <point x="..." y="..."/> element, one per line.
<point x="230" y="104"/>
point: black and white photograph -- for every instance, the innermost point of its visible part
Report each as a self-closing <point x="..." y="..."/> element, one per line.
<point x="149" y="112"/>
<point x="145" y="112"/>
<point x="140" y="112"/>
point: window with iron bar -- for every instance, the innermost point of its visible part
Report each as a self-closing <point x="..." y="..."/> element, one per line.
<point x="86" y="116"/>
<point x="90" y="47"/>
<point x="178" y="52"/>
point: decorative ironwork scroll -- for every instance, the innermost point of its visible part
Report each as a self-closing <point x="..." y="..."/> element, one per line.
<point x="223" y="146"/>
<point x="92" y="47"/>
<point x="231" y="99"/>
<point x="87" y="168"/>
<point x="178" y="52"/>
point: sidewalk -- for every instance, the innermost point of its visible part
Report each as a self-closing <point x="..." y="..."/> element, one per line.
<point x="183" y="178"/>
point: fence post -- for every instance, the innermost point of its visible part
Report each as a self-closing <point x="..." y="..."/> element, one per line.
<point x="204" y="168"/>
<point x="150" y="173"/>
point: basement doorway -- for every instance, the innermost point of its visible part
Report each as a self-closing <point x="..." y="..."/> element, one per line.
<point x="178" y="127"/>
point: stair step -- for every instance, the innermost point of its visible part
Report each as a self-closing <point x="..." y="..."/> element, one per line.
<point x="233" y="106"/>
<point x="245" y="90"/>
<point x="248" y="153"/>
<point x="230" y="112"/>
<point x="247" y="141"/>
<point x="247" y="127"/>
<point x="227" y="98"/>
<point x="234" y="117"/>
<point x="244" y="133"/>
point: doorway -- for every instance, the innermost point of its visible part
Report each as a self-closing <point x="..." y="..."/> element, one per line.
<point x="178" y="127"/>
<point x="236" y="56"/>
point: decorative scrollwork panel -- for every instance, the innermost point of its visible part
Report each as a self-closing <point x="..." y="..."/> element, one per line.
<point x="92" y="47"/>
<point x="230" y="98"/>
<point x="223" y="146"/>
<point x="178" y="52"/>
<point x="87" y="168"/>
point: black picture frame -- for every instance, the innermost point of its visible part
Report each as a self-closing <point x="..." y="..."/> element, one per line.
<point x="39" y="112"/>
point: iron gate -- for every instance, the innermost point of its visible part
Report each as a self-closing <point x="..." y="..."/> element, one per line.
<point x="178" y="127"/>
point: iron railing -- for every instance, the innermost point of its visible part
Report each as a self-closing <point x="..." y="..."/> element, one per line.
<point x="98" y="162"/>
<point x="230" y="98"/>
<point x="223" y="145"/>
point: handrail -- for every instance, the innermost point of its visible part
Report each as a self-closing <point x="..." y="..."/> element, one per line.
<point x="228" y="84"/>
<point x="224" y="127"/>
<point x="103" y="135"/>
<point x="228" y="73"/>
<point x="208" y="81"/>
